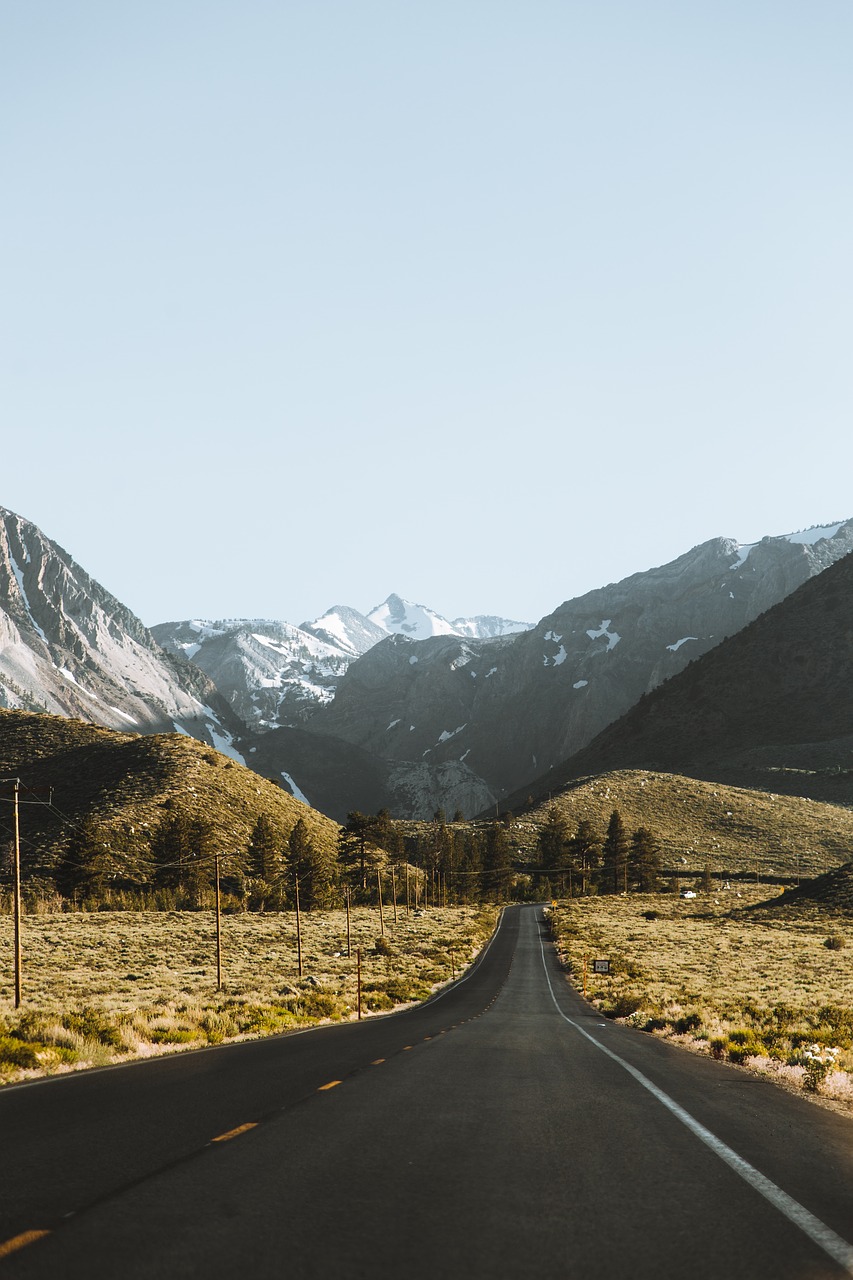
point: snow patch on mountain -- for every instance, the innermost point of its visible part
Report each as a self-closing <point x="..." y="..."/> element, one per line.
<point x="294" y="790"/>
<point x="447" y="734"/>
<point x="613" y="637"/>
<point x="673" y="648"/>
<point x="808" y="537"/>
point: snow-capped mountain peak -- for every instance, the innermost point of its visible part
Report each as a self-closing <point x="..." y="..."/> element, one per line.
<point x="346" y="629"/>
<point x="397" y="616"/>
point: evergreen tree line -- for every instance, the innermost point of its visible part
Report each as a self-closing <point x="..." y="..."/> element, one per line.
<point x="585" y="862"/>
<point x="174" y="864"/>
<point x="452" y="866"/>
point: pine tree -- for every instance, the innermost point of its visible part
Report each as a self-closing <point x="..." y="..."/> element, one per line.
<point x="314" y="868"/>
<point x="171" y="850"/>
<point x="469" y="864"/>
<point x="89" y="865"/>
<point x="497" y="867"/>
<point x="614" y="856"/>
<point x="554" y="846"/>
<point x="585" y="853"/>
<point x="353" y="842"/>
<point x="645" y="861"/>
<point x="264" y="854"/>
<point x="182" y="851"/>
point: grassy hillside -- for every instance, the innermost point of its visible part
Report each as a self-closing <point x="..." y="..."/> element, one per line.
<point x="731" y="829"/>
<point x="127" y="781"/>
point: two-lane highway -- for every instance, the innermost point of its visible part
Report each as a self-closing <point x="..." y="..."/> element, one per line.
<point x="501" y="1130"/>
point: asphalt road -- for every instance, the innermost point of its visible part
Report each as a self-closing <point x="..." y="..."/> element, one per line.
<point x="502" y="1130"/>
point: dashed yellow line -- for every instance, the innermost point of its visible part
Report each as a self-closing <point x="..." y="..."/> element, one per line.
<point x="377" y="1062"/>
<point x="19" y="1242"/>
<point x="235" y="1133"/>
<point x="331" y="1085"/>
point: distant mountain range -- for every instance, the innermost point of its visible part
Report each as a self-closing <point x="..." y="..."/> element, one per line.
<point x="276" y="674"/>
<point x="514" y="707"/>
<point x="404" y="709"/>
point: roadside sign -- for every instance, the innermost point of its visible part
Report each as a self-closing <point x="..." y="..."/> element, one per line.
<point x="601" y="966"/>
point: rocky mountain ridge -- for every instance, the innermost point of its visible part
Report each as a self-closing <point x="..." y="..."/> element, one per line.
<point x="70" y="648"/>
<point x="274" y="674"/>
<point x="513" y="707"/>
<point x="770" y="707"/>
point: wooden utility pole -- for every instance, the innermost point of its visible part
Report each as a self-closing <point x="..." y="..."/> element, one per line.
<point x="394" y="892"/>
<point x="298" y="933"/>
<point x="358" y="981"/>
<point x="408" y="904"/>
<point x="349" y="935"/>
<point x="381" y="916"/>
<point x="218" y="926"/>
<point x="17" y="899"/>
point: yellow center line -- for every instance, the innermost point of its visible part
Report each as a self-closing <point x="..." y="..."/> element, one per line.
<point x="330" y="1085"/>
<point x="407" y="1046"/>
<point x="234" y="1133"/>
<point x="377" y="1062"/>
<point x="19" y="1242"/>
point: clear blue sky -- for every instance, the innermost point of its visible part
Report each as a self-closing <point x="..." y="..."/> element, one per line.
<point x="486" y="303"/>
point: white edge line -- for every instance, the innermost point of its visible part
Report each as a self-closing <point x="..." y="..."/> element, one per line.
<point x="818" y="1232"/>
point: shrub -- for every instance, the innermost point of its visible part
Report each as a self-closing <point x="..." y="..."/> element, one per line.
<point x="318" y="1004"/>
<point x="93" y="1025"/>
<point x="173" y="1035"/>
<point x="690" y="1022"/>
<point x="377" y="1001"/>
<point x="818" y="1062"/>
<point x="17" y="1053"/>
<point x="743" y="1044"/>
<point x="404" y="990"/>
<point x="622" y="1005"/>
<point x="834" y="942"/>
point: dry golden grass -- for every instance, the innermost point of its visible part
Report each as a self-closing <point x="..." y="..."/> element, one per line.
<point x="106" y="985"/>
<point x="758" y="987"/>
